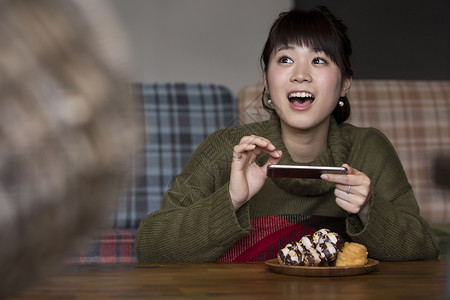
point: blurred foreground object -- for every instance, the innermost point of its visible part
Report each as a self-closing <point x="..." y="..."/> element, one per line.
<point x="67" y="133"/>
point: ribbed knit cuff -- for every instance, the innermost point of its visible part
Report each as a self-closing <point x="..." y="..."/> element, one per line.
<point x="226" y="224"/>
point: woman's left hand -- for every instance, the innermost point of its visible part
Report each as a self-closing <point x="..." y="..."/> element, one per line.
<point x="352" y="191"/>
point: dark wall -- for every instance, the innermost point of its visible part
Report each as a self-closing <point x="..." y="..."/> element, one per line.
<point x="397" y="39"/>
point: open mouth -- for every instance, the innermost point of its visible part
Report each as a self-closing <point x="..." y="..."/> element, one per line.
<point x="301" y="98"/>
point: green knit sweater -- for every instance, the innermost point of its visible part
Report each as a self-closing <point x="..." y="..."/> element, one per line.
<point x="197" y="222"/>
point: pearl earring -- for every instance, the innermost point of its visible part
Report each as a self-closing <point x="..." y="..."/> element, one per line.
<point x="341" y="103"/>
<point x="269" y="101"/>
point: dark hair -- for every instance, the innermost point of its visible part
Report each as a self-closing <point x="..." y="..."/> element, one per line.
<point x="318" y="29"/>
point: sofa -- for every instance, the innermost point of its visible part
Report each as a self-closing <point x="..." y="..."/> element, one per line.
<point x="414" y="115"/>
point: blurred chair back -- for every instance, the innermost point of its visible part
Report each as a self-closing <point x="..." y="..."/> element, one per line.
<point x="250" y="106"/>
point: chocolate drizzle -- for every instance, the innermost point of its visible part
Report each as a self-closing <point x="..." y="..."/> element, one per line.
<point x="319" y="249"/>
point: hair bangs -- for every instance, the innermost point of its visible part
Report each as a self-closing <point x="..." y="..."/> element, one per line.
<point x="311" y="30"/>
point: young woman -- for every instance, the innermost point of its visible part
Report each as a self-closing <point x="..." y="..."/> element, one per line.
<point x="223" y="207"/>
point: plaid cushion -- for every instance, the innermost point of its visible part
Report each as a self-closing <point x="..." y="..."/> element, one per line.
<point x="177" y="117"/>
<point x="109" y="247"/>
<point x="414" y="115"/>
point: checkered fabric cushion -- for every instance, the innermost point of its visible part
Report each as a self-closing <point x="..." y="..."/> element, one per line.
<point x="108" y="247"/>
<point x="414" y="115"/>
<point x="177" y="117"/>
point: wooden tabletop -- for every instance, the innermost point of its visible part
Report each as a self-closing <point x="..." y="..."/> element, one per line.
<point x="402" y="280"/>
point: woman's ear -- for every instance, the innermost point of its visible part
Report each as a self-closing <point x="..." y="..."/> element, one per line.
<point x="346" y="84"/>
<point x="266" y="87"/>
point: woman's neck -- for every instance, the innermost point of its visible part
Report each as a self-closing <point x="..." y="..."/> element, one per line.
<point x="305" y="145"/>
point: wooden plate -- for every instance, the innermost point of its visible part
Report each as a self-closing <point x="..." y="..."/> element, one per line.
<point x="321" y="271"/>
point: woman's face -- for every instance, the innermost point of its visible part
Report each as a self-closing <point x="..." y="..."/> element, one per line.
<point x="304" y="86"/>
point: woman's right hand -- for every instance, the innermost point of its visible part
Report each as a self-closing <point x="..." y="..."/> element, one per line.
<point x="246" y="177"/>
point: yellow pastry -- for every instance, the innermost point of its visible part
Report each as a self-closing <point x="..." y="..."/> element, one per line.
<point x="352" y="254"/>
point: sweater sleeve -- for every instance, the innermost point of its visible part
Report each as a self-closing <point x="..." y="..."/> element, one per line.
<point x="197" y="221"/>
<point x="394" y="231"/>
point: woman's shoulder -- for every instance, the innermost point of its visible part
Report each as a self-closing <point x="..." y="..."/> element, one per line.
<point x="361" y="132"/>
<point x="367" y="136"/>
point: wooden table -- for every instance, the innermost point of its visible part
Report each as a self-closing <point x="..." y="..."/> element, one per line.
<point x="405" y="280"/>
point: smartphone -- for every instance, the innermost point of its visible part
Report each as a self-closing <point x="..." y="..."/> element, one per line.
<point x="289" y="171"/>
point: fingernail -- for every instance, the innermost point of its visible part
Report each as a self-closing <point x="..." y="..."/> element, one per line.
<point x="324" y="176"/>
